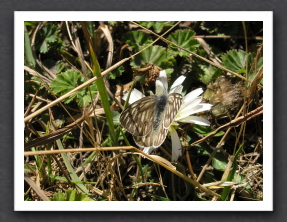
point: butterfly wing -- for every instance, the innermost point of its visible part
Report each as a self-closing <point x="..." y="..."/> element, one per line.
<point x="153" y="139"/>
<point x="174" y="103"/>
<point x="137" y="118"/>
<point x="156" y="137"/>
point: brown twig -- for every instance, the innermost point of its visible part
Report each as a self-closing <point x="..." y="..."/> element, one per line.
<point x="233" y="123"/>
<point x="36" y="188"/>
<point x="53" y="136"/>
<point x="189" y="165"/>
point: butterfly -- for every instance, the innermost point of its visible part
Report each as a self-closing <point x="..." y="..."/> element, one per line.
<point x="149" y="118"/>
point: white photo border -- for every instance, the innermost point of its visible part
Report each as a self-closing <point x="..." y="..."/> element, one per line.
<point x="21" y="16"/>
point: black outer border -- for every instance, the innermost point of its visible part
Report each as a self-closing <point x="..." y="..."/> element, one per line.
<point x="7" y="8"/>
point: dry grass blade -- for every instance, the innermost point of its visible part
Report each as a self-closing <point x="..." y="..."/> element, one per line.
<point x="162" y="160"/>
<point x="233" y="123"/>
<point x="158" y="160"/>
<point x="35" y="73"/>
<point x="53" y="136"/>
<point x="211" y="55"/>
<point x="36" y="188"/>
<point x="258" y="77"/>
<point x="107" y="33"/>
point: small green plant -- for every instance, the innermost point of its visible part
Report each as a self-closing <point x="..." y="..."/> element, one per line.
<point x="48" y="39"/>
<point x="70" y="195"/>
<point x="65" y="82"/>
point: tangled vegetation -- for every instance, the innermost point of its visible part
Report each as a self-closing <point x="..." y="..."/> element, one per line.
<point x="75" y="76"/>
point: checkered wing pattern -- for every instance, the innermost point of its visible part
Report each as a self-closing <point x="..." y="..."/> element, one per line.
<point x="137" y="117"/>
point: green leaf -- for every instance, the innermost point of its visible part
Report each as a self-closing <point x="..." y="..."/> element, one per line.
<point x="168" y="65"/>
<point x="51" y="38"/>
<point x="61" y="67"/>
<point x="157" y="26"/>
<point x="58" y="197"/>
<point x="27" y="49"/>
<point x="70" y="195"/>
<point x="101" y="87"/>
<point x="237" y="61"/>
<point x="255" y="68"/>
<point x="31" y="23"/>
<point x="71" y="171"/>
<point x="208" y="74"/>
<point x="232" y="173"/>
<point x="154" y="55"/>
<point x="205" y="130"/>
<point x="136" y="39"/>
<point x="116" y="117"/>
<point x="90" y="27"/>
<point x="55" y="177"/>
<point x="48" y="38"/>
<point x="237" y="178"/>
<point x="28" y="169"/>
<point x="183" y="38"/>
<point x="219" y="162"/>
<point x="70" y="58"/>
<point x="160" y="198"/>
<point x="116" y="72"/>
<point x="222" y="28"/>
<point x="112" y="23"/>
<point x="44" y="48"/>
<point x="65" y="82"/>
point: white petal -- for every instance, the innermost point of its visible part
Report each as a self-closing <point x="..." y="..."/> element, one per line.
<point x="203" y="107"/>
<point x="148" y="150"/>
<point x="188" y="108"/>
<point x="191" y="103"/>
<point x="176" y="145"/>
<point x="177" y="90"/>
<point x="189" y="111"/>
<point x="163" y="78"/>
<point x="177" y="83"/>
<point x="159" y="87"/>
<point x="135" y="96"/>
<point x="195" y="119"/>
<point x="192" y="95"/>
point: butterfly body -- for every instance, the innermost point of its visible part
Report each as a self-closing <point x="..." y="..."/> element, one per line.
<point x="149" y="118"/>
<point x="160" y="107"/>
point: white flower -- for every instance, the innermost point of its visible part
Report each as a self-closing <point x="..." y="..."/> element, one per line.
<point x="191" y="105"/>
